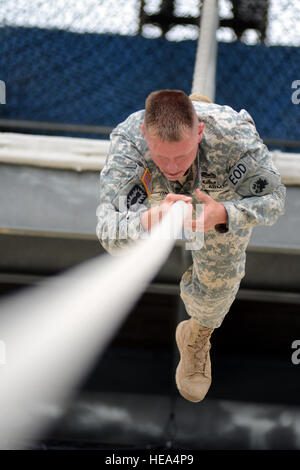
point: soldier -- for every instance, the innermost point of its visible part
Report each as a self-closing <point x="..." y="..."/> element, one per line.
<point x="190" y="149"/>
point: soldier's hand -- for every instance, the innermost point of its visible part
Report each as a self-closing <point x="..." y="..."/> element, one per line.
<point x="154" y="215"/>
<point x="214" y="212"/>
<point x="171" y="198"/>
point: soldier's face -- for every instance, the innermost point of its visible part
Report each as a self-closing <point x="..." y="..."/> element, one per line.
<point x="174" y="158"/>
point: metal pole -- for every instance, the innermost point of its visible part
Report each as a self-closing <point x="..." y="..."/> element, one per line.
<point x="205" y="64"/>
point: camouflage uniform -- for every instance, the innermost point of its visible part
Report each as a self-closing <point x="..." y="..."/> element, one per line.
<point x="233" y="166"/>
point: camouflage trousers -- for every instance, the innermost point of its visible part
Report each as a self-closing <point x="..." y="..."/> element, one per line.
<point x="209" y="286"/>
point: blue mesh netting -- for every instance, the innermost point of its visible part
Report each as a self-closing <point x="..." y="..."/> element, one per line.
<point x="259" y="78"/>
<point x="98" y="79"/>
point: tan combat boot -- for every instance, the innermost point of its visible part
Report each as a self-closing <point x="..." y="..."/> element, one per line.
<point x="193" y="373"/>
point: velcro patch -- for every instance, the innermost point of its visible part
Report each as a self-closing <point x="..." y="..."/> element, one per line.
<point x="264" y="183"/>
<point x="136" y="195"/>
<point x="147" y="182"/>
<point x="259" y="185"/>
<point x="249" y="179"/>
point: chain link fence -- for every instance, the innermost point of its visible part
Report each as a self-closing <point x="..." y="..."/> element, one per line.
<point x="93" y="62"/>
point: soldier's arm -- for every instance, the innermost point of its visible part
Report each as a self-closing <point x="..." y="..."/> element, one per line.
<point x="254" y="178"/>
<point x="123" y="195"/>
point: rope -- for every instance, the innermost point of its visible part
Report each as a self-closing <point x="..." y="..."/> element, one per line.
<point x="55" y="332"/>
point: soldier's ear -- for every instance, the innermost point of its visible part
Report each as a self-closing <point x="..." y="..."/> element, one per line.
<point x="200" y="131"/>
<point x="143" y="129"/>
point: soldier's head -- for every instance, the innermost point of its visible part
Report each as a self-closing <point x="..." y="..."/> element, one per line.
<point x="172" y="131"/>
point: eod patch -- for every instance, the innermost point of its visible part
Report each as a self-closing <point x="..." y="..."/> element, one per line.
<point x="249" y="179"/>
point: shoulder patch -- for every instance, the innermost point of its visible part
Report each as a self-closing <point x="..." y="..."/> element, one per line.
<point x="248" y="178"/>
<point x="147" y="182"/>
<point x="263" y="184"/>
<point x="136" y="195"/>
<point x="259" y="185"/>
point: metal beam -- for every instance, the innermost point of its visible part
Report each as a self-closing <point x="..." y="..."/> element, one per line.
<point x="255" y="295"/>
<point x="54" y="126"/>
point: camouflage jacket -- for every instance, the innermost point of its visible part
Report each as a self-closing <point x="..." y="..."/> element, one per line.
<point x="233" y="166"/>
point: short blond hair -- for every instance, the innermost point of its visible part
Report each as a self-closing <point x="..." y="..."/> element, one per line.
<point x="168" y="114"/>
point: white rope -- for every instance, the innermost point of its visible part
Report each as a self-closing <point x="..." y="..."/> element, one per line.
<point x="53" y="333"/>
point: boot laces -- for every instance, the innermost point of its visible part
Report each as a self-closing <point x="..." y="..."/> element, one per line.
<point x="199" y="347"/>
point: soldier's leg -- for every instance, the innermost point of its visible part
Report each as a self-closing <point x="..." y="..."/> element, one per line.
<point x="208" y="289"/>
<point x="210" y="285"/>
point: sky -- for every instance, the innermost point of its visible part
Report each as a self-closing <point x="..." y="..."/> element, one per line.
<point x="121" y="17"/>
